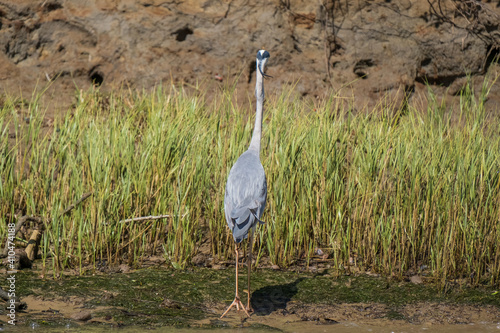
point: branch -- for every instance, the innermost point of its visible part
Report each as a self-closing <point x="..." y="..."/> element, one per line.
<point x="147" y="218"/>
<point x="71" y="207"/>
<point x="39" y="221"/>
<point x="18" y="227"/>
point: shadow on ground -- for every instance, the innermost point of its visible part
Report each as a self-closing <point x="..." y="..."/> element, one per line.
<point x="271" y="298"/>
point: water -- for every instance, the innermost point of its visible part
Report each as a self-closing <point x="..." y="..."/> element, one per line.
<point x="292" y="327"/>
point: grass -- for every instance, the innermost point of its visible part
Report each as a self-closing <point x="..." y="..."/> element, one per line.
<point x="394" y="190"/>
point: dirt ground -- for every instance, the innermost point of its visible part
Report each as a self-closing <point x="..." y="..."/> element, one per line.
<point x="295" y="317"/>
<point x="163" y="299"/>
<point x="362" y="51"/>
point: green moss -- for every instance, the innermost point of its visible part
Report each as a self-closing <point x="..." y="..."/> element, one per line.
<point x="153" y="297"/>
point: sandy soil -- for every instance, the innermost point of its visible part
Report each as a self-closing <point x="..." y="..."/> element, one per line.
<point x="296" y="317"/>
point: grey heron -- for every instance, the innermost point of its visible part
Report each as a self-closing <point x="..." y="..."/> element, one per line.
<point x="246" y="187"/>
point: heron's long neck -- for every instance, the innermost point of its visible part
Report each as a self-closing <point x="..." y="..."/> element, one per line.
<point x="257" y="130"/>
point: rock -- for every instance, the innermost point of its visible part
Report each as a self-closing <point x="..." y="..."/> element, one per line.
<point x="416" y="279"/>
<point x="313" y="269"/>
<point x="124" y="268"/>
<point x="169" y="304"/>
<point x="21" y="260"/>
<point x="199" y="260"/>
<point x="81" y="316"/>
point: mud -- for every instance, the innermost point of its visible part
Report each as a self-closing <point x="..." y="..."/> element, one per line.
<point x="162" y="299"/>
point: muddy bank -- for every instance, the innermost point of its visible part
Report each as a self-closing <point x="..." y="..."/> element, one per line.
<point x="154" y="298"/>
<point x="360" y="50"/>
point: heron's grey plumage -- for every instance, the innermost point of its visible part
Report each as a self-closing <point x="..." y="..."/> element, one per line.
<point x="246" y="187"/>
<point x="245" y="197"/>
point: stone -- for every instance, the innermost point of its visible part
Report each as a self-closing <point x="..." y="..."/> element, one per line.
<point x="81" y="316"/>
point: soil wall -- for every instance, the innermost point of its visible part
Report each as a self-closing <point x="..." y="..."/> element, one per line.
<point x="366" y="49"/>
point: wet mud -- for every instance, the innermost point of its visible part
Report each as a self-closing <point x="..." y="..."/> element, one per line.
<point x="287" y="301"/>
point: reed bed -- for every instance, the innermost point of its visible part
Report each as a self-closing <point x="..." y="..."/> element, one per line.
<point x="391" y="191"/>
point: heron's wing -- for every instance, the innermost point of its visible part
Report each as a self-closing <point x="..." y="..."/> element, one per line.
<point x="245" y="197"/>
<point x="242" y="219"/>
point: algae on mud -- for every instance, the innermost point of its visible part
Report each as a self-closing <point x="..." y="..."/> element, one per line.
<point x="197" y="297"/>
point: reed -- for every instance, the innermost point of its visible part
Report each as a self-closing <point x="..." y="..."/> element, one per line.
<point x="392" y="191"/>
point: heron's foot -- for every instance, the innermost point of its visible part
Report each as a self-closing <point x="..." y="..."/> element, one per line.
<point x="238" y="303"/>
<point x="248" y="307"/>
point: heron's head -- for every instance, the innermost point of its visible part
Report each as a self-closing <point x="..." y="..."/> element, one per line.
<point x="262" y="57"/>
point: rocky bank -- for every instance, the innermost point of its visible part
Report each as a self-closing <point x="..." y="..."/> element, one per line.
<point x="360" y="50"/>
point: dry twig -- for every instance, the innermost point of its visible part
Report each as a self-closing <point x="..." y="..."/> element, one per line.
<point x="147" y="218"/>
<point x="40" y="223"/>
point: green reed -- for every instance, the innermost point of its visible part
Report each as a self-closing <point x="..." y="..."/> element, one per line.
<point x="390" y="191"/>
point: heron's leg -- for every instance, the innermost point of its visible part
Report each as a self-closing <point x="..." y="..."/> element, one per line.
<point x="237" y="294"/>
<point x="249" y="264"/>
<point x="237" y="300"/>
